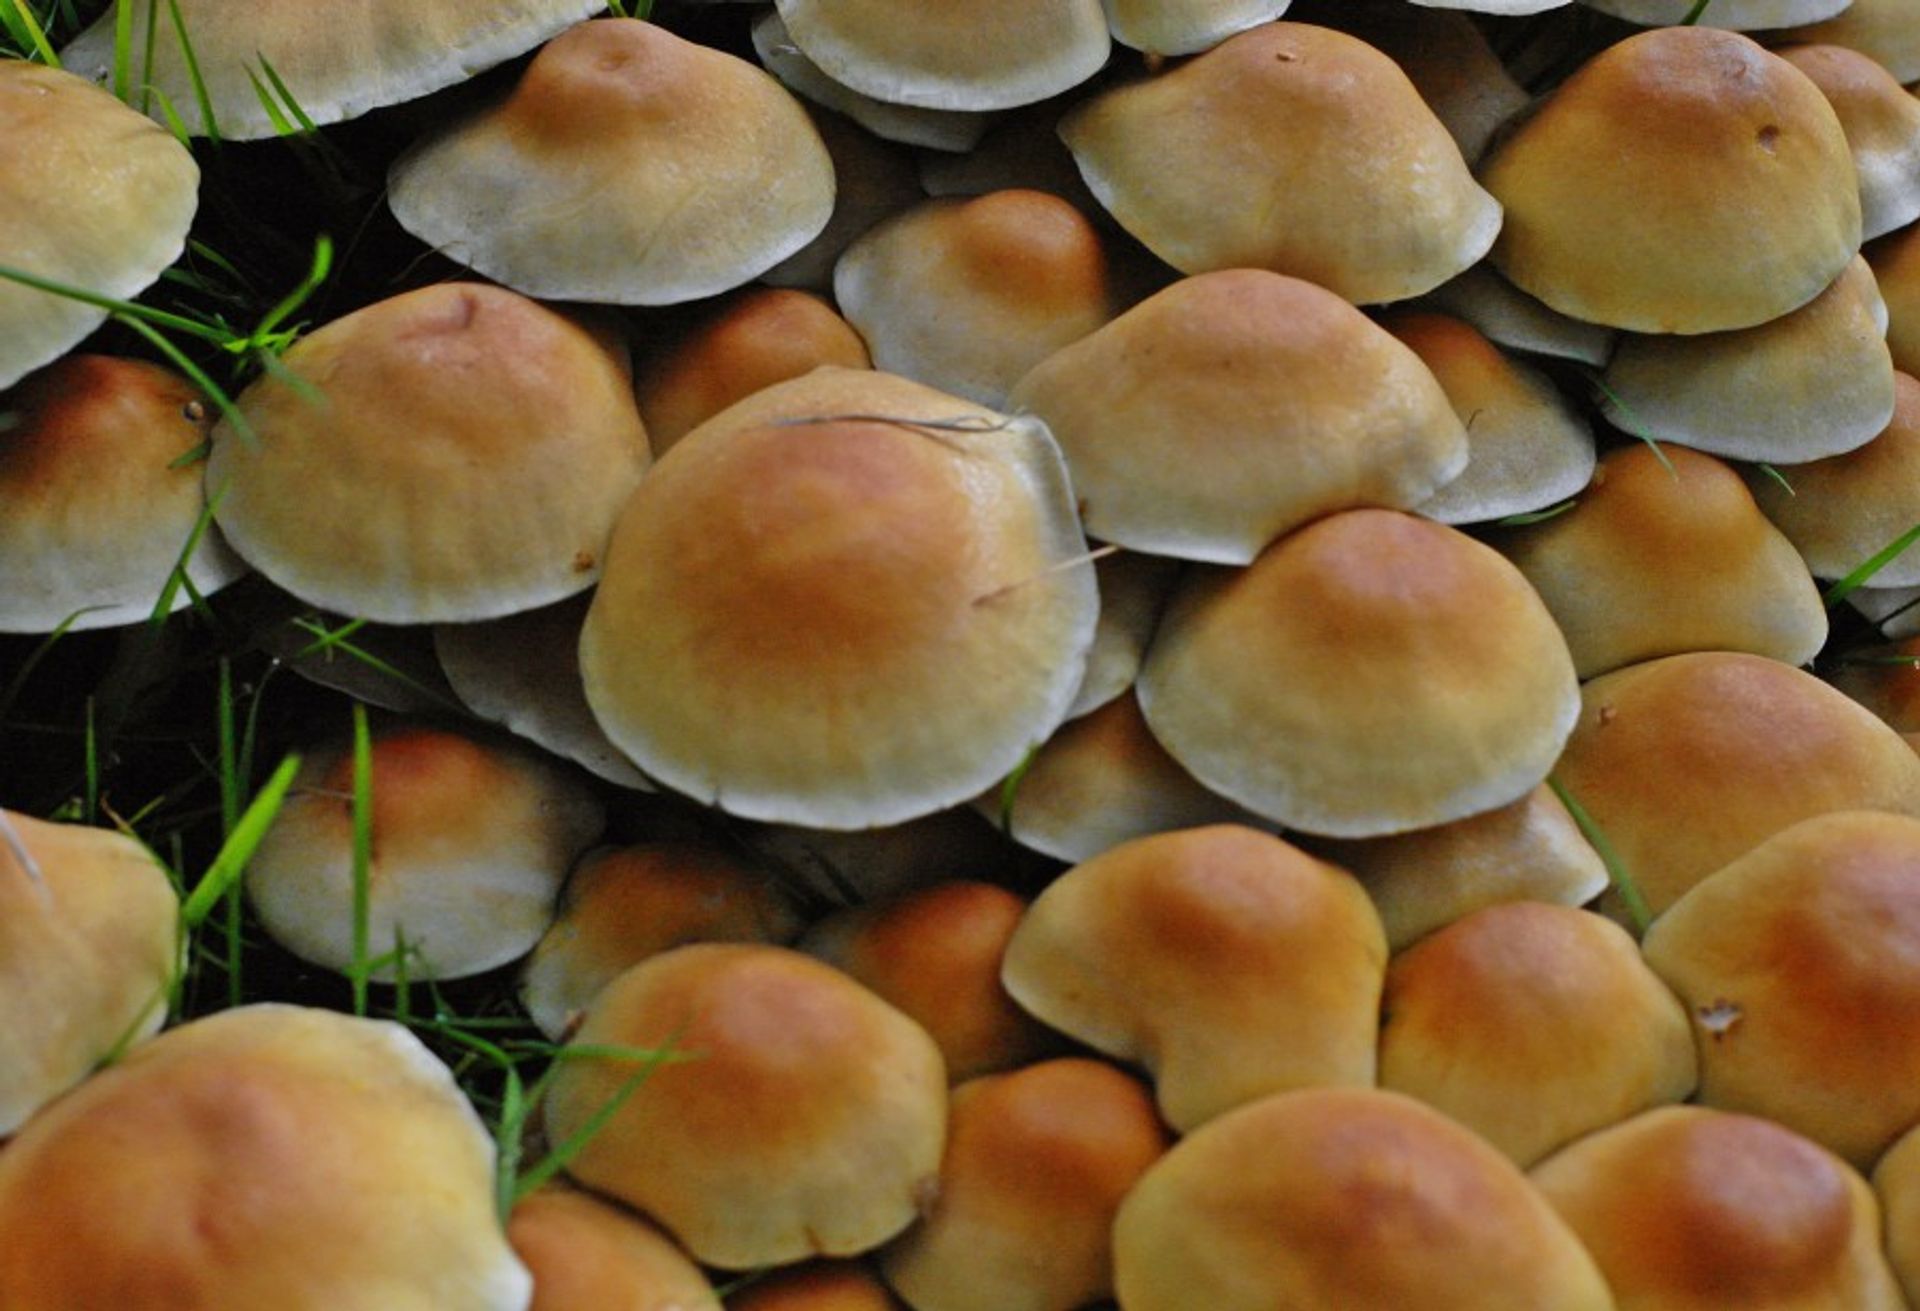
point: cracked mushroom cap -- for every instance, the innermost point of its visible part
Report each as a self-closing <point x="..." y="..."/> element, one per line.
<point x="700" y="171"/>
<point x="1331" y="1199"/>
<point x="1371" y="673"/>
<point x="1683" y="180"/>
<point x="844" y="602"/>
<point x="94" y="509"/>
<point x="588" y="1255"/>
<point x="1226" y="961"/>
<point x="1357" y="186"/>
<point x="1800" y="961"/>
<point x="1234" y="406"/>
<point x="1690" y="1209"/>
<point x="267" y="1156"/>
<point x="1882" y="123"/>
<point x="807" y="1119"/>
<point x="464" y="458"/>
<point x="91" y="195"/>
<point x="338" y="62"/>
<point x="89" y="943"/>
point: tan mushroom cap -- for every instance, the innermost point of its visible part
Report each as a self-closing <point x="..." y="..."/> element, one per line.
<point x="700" y="172"/>
<point x="992" y="55"/>
<point x="1037" y="1164"/>
<point x="1886" y="680"/>
<point x="466" y="457"/>
<point x="851" y="866"/>
<point x="1530" y="850"/>
<point x="1448" y="60"/>
<point x="1809" y="384"/>
<point x="1801" y="963"/>
<point x="268" y="1156"/>
<point x="967" y="295"/>
<point x="89" y="944"/>
<point x="1666" y="552"/>
<point x="1533" y="1025"/>
<point x="1892" y="608"/>
<point x="796" y="599"/>
<point x="94" y="509"/>
<point x="1134" y="587"/>
<point x="1884" y="30"/>
<point x="748" y="341"/>
<point x="873" y="180"/>
<point x="1895" y="261"/>
<point x="808" y="1120"/>
<point x="1896" y="1182"/>
<point x="91" y="195"/>
<point x="1683" y="180"/>
<point x="1185" y="27"/>
<point x="1843" y="510"/>
<point x="470" y="846"/>
<point x="1226" y="961"/>
<point x="1357" y="187"/>
<point x="586" y="1255"/>
<point x="1758" y="17"/>
<point x="395" y="667"/>
<point x="956" y="130"/>
<point x="623" y="905"/>
<point x="1882" y="123"/>
<point x="936" y="953"/>
<point x="1021" y="149"/>
<point x="1234" y="406"/>
<point x="1691" y="1209"/>
<point x="816" y="1286"/>
<point x="1527" y="448"/>
<point x="1369" y="674"/>
<point x="1335" y="1199"/>
<point x="1517" y="321"/>
<point x="1689" y="762"/>
<point x="338" y="62"/>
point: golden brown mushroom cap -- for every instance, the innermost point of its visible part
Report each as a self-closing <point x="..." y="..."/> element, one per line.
<point x="1896" y="1182"/>
<point x="1884" y="30"/>
<point x="588" y="1255"/>
<point x="816" y="1286"/>
<point x="1882" y="123"/>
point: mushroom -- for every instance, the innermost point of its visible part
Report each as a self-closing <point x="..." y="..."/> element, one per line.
<point x="589" y="1255"/>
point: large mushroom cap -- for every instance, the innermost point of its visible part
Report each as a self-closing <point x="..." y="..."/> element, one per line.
<point x="705" y="175"/>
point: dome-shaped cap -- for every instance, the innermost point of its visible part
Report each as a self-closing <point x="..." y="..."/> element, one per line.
<point x="466" y="459"/>
<point x="1883" y="30"/>
<point x="1882" y="123"/>
<point x="1895" y="261"/>
<point x="1896" y="1182"/>
<point x="1517" y="321"/>
<point x="816" y="1286"/>
<point x="1369" y="674"/>
<point x="911" y="125"/>
<point x="1446" y="57"/>
<point x="1683" y="180"/>
<point x="588" y="1255"/>
<point x="1355" y="185"/>
<point x="1185" y="27"/>
<point x="700" y="172"/>
<point x="1134" y="587"/>
<point x="1756" y="16"/>
<point x="91" y="195"/>
<point x="873" y="180"/>
<point x="844" y="602"/>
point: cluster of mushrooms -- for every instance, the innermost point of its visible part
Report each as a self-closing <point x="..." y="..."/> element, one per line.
<point x="1353" y="519"/>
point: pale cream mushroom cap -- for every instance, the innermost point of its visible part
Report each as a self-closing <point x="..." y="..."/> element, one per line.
<point x="1134" y="587"/>
<point x="1226" y="961"/>
<point x="1683" y="180"/>
<point x="1884" y="30"/>
<point x="338" y="61"/>
<point x="1357" y="186"/>
<point x="1517" y="321"/>
<point x="1895" y="261"/>
<point x="586" y="1254"/>
<point x="1758" y="17"/>
<point x="873" y="179"/>
<point x="1185" y="27"/>
<point x="853" y="866"/>
<point x="91" y="195"/>
<point x="89" y="945"/>
<point x="1812" y="383"/>
<point x="699" y="170"/>
<point x="465" y="457"/>
<point x="955" y="130"/>
<point x="1235" y="406"/>
<point x="1448" y="60"/>
<point x="1882" y="123"/>
<point x="268" y="1156"/>
<point x="1688" y="762"/>
<point x="1892" y="608"/>
<point x="807" y="1119"/>
<point x="1369" y="674"/>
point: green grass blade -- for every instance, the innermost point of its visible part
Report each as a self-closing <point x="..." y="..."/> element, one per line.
<point x="1617" y="873"/>
<point x="286" y="97"/>
<point x="1778" y="477"/>
<point x="177" y="576"/>
<point x="1872" y="565"/>
<point x="282" y="125"/>
<point x="564" y="1153"/>
<point x="199" y="377"/>
<point x="1010" y="787"/>
<point x="1635" y="427"/>
<point x="316" y="277"/>
<point x="159" y="318"/>
<point x="1536" y="516"/>
<point x="26" y="31"/>
<point x="209" y="125"/>
<point x="362" y="854"/>
<point x="238" y="849"/>
<point x="90" y="805"/>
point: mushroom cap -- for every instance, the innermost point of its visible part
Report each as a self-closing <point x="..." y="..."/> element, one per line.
<point x="1882" y="123"/>
<point x="266" y="1156"/>
<point x="1185" y="27"/>
<point x="1757" y="16"/>
<point x="1667" y="552"/>
<point x="1886" y="680"/>
<point x="1037" y="1163"/>
<point x="1814" y="382"/>
<point x="1895" y="261"/>
<point x="1335" y="1198"/>
<point x="94" y="509"/>
<point x="1688" y="762"/>
<point x="622" y="905"/>
<point x="1694" y="1209"/>
<point x="1801" y="962"/>
<point x="89" y="945"/>
<point x="1683" y="180"/>
<point x="1356" y="186"/>
<point x="816" y="1286"/>
<point x="470" y="846"/>
<point x="955" y="130"/>
<point x="846" y="601"/>
<point x="1532" y="1025"/>
<point x="1134" y="587"/>
<point x="338" y="62"/>
<point x="1448" y="60"/>
<point x="1892" y="608"/>
<point x="1234" y="406"/>
<point x="1896" y="1182"/>
<point x="465" y="458"/>
<point x="991" y="55"/>
<point x="1228" y="962"/>
<point x="969" y="294"/>
<point x="1846" y="508"/>
<point x="1517" y="321"/>
<point x="1370" y="673"/>
<point x="1884" y="30"/>
<point x="873" y="179"/>
<point x="701" y="172"/>
<point x="91" y="195"/>
<point x="851" y="866"/>
<point x="587" y="1255"/>
<point x="1527" y="448"/>
<point x="808" y="1120"/>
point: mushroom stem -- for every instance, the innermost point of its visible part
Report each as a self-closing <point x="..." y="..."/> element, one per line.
<point x="10" y="836"/>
